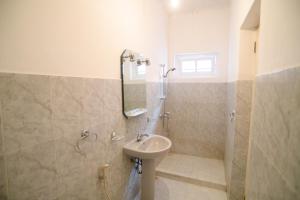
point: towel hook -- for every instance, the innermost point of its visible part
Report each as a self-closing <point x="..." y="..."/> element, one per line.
<point x="83" y="135"/>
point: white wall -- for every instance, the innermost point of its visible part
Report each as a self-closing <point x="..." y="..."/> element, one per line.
<point x="204" y="31"/>
<point x="247" y="57"/>
<point x="279" y="41"/>
<point x="80" y="38"/>
<point x="279" y="35"/>
<point x="238" y="11"/>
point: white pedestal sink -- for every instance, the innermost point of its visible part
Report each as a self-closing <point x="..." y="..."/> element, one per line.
<point x="149" y="149"/>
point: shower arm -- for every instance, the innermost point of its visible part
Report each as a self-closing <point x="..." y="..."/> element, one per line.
<point x="171" y="69"/>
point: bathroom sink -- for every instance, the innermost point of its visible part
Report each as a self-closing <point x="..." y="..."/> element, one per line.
<point x="150" y="147"/>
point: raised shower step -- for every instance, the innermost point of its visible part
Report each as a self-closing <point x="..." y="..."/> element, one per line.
<point x="195" y="170"/>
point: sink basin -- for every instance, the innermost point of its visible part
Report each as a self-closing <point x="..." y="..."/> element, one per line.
<point x="150" y="147"/>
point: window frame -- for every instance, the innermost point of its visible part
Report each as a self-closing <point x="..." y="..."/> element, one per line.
<point x="178" y="58"/>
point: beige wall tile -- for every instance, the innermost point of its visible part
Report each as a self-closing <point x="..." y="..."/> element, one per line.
<point x="32" y="173"/>
<point x="43" y="119"/>
<point x="26" y="111"/>
<point x="275" y="137"/>
<point x="237" y="139"/>
<point x="197" y="123"/>
<point x="3" y="185"/>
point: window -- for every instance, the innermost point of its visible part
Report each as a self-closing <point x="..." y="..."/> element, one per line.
<point x="141" y="70"/>
<point x="138" y="71"/>
<point x="196" y="64"/>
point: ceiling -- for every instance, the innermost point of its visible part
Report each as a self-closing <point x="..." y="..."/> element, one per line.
<point x="187" y="6"/>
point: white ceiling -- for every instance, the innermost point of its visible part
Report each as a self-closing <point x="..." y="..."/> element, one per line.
<point x="195" y="5"/>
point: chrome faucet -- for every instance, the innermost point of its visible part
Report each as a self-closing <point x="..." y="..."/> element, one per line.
<point x="140" y="136"/>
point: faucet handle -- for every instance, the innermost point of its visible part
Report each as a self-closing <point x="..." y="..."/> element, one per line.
<point x="140" y="136"/>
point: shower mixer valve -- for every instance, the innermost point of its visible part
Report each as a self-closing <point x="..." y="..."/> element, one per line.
<point x="165" y="115"/>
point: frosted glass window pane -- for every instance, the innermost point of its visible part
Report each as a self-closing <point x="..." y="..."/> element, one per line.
<point x="204" y="65"/>
<point x="188" y="66"/>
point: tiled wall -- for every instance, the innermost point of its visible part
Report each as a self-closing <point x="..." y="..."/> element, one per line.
<point x="41" y="120"/>
<point x="229" y="140"/>
<point x="237" y="140"/>
<point x="197" y="124"/>
<point x="200" y="125"/>
<point x="274" y="165"/>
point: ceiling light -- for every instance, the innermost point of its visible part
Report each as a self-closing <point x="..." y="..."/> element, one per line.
<point x="174" y="3"/>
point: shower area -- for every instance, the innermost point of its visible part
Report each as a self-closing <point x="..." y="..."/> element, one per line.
<point x="194" y="117"/>
<point x="205" y="112"/>
<point x="208" y="124"/>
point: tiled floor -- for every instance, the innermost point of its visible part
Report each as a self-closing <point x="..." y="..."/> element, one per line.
<point x="168" y="189"/>
<point x="201" y="171"/>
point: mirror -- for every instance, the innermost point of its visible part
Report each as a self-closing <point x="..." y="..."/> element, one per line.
<point x="133" y="75"/>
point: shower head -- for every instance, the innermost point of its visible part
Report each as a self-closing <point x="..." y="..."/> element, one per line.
<point x="171" y="69"/>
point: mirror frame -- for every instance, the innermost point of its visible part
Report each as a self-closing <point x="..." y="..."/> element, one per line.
<point x="122" y="84"/>
<point x="140" y="61"/>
